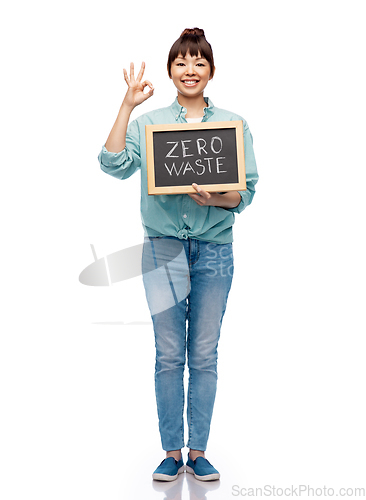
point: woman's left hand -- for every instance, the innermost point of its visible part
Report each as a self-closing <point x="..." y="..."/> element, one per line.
<point x="230" y="199"/>
<point x="203" y="197"/>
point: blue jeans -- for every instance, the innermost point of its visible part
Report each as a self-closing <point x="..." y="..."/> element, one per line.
<point x="187" y="283"/>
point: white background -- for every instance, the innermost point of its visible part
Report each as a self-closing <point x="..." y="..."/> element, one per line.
<point x="78" y="417"/>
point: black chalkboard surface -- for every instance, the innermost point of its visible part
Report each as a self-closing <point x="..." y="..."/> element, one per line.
<point x="210" y="154"/>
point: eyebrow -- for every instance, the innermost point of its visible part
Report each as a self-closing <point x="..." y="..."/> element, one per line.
<point x="197" y="58"/>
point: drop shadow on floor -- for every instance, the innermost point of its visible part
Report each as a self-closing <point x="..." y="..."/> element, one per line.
<point x="197" y="489"/>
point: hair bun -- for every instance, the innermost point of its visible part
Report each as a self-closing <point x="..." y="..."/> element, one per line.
<point x="193" y="31"/>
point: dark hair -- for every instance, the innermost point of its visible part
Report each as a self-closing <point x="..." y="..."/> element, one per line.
<point x="194" y="42"/>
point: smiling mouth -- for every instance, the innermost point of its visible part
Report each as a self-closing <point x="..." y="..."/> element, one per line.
<point x="190" y="83"/>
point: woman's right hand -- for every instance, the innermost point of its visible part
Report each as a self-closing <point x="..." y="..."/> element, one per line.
<point x="135" y="94"/>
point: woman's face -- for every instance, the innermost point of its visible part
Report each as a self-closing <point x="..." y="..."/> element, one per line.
<point x="190" y="74"/>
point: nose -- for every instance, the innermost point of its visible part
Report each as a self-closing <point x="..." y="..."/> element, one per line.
<point x="190" y="70"/>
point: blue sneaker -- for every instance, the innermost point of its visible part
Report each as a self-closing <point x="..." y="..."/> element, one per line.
<point x="169" y="469"/>
<point x="202" y="469"/>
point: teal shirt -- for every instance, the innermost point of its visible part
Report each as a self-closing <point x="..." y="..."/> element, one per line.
<point x="178" y="214"/>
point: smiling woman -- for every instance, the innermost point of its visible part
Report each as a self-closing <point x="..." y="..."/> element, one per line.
<point x="191" y="67"/>
<point x="202" y="223"/>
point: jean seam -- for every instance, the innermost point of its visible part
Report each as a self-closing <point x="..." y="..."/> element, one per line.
<point x="190" y="375"/>
<point x="182" y="423"/>
<point x="185" y="359"/>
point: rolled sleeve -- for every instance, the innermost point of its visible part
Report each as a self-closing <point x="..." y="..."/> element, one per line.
<point x="124" y="163"/>
<point x="251" y="173"/>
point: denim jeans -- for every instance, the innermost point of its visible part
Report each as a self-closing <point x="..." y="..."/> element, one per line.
<point x="187" y="283"/>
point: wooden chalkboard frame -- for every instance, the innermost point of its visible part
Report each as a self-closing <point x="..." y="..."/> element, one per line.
<point x="151" y="129"/>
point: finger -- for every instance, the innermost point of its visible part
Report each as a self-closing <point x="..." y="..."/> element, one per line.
<point x="126" y="77"/>
<point x="141" y="72"/>
<point x="146" y="83"/>
<point x="201" y="191"/>
<point x="150" y="92"/>
<point x="147" y="95"/>
<point x="198" y="199"/>
<point x="132" y="71"/>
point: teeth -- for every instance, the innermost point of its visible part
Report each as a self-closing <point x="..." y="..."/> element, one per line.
<point x="190" y="82"/>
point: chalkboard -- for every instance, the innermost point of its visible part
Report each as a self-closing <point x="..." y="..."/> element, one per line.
<point x="211" y="154"/>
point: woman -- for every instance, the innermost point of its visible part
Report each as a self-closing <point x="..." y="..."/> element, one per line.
<point x="201" y="224"/>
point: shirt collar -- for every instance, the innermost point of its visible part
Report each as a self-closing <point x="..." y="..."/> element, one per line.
<point x="179" y="110"/>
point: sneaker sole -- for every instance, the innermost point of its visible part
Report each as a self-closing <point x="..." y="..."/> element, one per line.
<point x="209" y="477"/>
<point x="166" y="477"/>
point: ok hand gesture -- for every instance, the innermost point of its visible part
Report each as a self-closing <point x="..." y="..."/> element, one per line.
<point x="135" y="94"/>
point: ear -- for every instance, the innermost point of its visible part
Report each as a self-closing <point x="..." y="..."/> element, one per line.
<point x="212" y="74"/>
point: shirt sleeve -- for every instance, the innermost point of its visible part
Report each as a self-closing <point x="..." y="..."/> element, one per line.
<point x="125" y="163"/>
<point x="251" y="174"/>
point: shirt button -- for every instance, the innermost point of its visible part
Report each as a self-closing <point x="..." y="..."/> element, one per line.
<point x="184" y="216"/>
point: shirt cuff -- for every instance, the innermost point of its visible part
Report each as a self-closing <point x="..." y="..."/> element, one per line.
<point x="239" y="208"/>
<point x="109" y="159"/>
